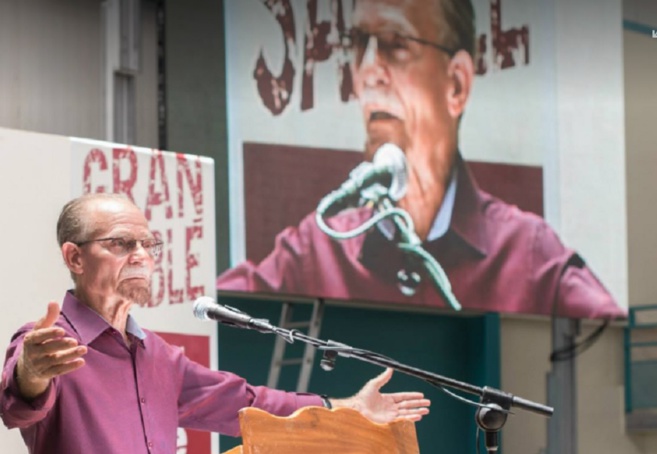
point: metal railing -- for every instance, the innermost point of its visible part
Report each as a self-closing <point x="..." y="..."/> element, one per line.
<point x="641" y="359"/>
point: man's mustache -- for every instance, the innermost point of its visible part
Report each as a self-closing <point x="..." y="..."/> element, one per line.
<point x="140" y="272"/>
<point x="380" y="105"/>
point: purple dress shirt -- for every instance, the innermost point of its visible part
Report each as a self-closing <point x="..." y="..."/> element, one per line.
<point x="497" y="258"/>
<point x="129" y="400"/>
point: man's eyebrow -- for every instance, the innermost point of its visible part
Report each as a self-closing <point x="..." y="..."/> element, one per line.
<point x="128" y="235"/>
<point x="391" y="22"/>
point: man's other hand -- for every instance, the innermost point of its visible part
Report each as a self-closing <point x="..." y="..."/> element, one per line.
<point x="384" y="408"/>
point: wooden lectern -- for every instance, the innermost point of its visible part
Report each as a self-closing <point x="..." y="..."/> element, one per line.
<point x="318" y="430"/>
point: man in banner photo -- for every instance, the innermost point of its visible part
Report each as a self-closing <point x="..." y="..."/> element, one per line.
<point x="412" y="67"/>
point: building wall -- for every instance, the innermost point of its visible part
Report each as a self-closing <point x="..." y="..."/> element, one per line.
<point x="525" y="346"/>
<point x="52" y="69"/>
<point x="50" y="76"/>
<point x="526" y="342"/>
<point x="51" y="81"/>
<point x="640" y="51"/>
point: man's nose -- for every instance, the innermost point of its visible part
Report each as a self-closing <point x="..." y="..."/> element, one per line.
<point x="371" y="51"/>
<point x="138" y="251"/>
<point x="372" y="68"/>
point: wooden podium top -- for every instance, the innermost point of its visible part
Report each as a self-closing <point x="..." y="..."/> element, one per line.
<point x="318" y="430"/>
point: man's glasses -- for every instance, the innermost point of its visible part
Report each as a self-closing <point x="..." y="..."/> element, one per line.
<point x="396" y="48"/>
<point x="124" y="246"/>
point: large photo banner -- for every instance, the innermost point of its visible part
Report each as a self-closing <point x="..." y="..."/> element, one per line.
<point x="443" y="120"/>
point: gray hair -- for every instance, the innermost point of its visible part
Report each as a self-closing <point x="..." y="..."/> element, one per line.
<point x="456" y="21"/>
<point x="73" y="225"/>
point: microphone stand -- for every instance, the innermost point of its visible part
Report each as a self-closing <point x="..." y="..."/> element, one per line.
<point x="412" y="245"/>
<point x="492" y="410"/>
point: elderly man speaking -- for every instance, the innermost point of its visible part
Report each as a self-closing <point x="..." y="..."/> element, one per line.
<point x="87" y="378"/>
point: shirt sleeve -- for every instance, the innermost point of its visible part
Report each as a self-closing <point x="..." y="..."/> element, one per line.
<point x="210" y="400"/>
<point x="583" y="295"/>
<point x="281" y="271"/>
<point x="14" y="410"/>
<point x="567" y="281"/>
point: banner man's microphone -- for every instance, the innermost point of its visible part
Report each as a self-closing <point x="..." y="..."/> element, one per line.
<point x="388" y="168"/>
<point x="205" y="308"/>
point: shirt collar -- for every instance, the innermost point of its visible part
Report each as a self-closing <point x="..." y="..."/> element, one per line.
<point x="468" y="218"/>
<point x="468" y="222"/>
<point x="132" y="327"/>
<point x="89" y="324"/>
<point x="440" y="223"/>
<point x="444" y="216"/>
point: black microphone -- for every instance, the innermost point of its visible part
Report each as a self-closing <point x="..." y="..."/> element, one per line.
<point x="205" y="308"/>
<point x="388" y="168"/>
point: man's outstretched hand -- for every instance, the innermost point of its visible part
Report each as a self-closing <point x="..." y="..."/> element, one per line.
<point x="47" y="352"/>
<point x="383" y="408"/>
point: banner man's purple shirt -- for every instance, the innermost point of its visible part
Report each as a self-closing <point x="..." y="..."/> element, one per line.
<point x="497" y="258"/>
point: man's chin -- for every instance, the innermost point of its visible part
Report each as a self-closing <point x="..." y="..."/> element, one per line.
<point x="381" y="132"/>
<point x="138" y="294"/>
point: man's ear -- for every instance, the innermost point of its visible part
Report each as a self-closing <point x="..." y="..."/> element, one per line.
<point x="461" y="74"/>
<point x="72" y="256"/>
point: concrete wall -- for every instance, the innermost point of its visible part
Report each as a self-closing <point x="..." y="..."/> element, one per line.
<point x="600" y="370"/>
<point x="52" y="75"/>
<point x="600" y="381"/>
<point x="51" y="81"/>
<point x="640" y="51"/>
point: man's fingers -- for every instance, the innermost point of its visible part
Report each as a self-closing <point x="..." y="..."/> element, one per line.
<point x="77" y="352"/>
<point x="64" y="356"/>
<point x="63" y="369"/>
<point x="380" y="380"/>
<point x="402" y="396"/>
<point x="414" y="403"/>
<point x="50" y="318"/>
<point x="414" y="411"/>
<point x="413" y="414"/>
<point x="43" y="335"/>
<point x="52" y="315"/>
<point x="53" y="346"/>
<point x="414" y="418"/>
<point x="43" y="365"/>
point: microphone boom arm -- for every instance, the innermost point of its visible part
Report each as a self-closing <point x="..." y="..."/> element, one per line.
<point x="495" y="404"/>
